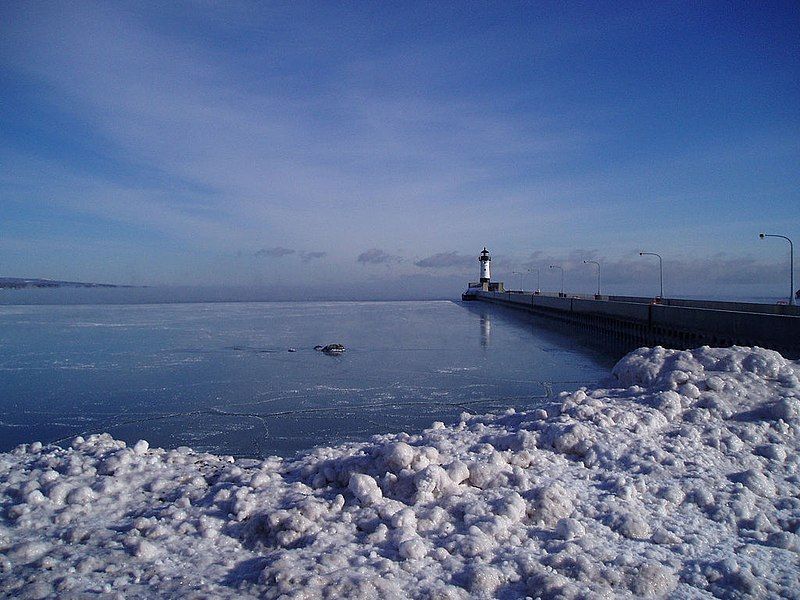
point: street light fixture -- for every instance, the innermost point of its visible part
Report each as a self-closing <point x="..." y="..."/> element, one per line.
<point x="791" y="262"/>
<point x="537" y="278"/>
<point x="594" y="262"/>
<point x="521" y="280"/>
<point x="562" y="276"/>
<point x="660" y="269"/>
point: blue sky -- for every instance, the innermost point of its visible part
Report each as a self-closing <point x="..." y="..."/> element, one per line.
<point x="383" y="144"/>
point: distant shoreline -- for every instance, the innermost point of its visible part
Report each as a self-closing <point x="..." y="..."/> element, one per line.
<point x="20" y="283"/>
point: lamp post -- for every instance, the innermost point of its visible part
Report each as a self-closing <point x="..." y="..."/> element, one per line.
<point x="537" y="278"/>
<point x="791" y="262"/>
<point x="594" y="262"/>
<point x="521" y="280"/>
<point x="660" y="270"/>
<point x="562" y="276"/>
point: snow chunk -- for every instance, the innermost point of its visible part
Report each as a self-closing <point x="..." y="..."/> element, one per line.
<point x="569" y="529"/>
<point x="399" y="456"/>
<point x="550" y="503"/>
<point x="458" y="471"/>
<point x="572" y="438"/>
<point x="669" y="404"/>
<point x="432" y="482"/>
<point x="412" y="549"/>
<point x="27" y="552"/>
<point x="772" y="451"/>
<point x="762" y="362"/>
<point x="484" y="474"/>
<point x="756" y="482"/>
<point x="144" y="550"/>
<point x="483" y="581"/>
<point x="364" y="488"/>
<point x="404" y="519"/>
<point x="787" y="409"/>
<point x="82" y="495"/>
<point x="634" y="526"/>
<point x="652" y="579"/>
<point x="785" y="540"/>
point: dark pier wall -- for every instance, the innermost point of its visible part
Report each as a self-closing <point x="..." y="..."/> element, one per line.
<point x="673" y="323"/>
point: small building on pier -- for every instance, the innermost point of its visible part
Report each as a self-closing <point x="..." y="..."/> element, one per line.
<point x="485" y="284"/>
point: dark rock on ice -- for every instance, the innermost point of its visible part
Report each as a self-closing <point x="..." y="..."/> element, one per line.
<point x="330" y="348"/>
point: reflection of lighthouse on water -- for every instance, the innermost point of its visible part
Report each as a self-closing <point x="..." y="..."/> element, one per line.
<point x="486" y="329"/>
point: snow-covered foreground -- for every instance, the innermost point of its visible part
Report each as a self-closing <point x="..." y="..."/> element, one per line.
<point x="683" y="481"/>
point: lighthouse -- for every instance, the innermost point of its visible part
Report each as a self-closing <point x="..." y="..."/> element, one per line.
<point x="486" y="261"/>
<point x="484" y="285"/>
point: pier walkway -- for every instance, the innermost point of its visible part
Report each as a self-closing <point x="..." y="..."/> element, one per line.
<point x="671" y="322"/>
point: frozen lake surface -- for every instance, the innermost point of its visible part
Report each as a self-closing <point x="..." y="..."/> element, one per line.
<point x="220" y="378"/>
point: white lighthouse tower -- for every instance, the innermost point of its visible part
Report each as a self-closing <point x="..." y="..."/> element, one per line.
<point x="486" y="262"/>
<point x="485" y="284"/>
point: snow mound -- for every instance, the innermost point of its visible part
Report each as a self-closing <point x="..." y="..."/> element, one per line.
<point x="683" y="481"/>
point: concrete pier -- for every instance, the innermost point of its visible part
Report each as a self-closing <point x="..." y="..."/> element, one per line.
<point x="671" y="322"/>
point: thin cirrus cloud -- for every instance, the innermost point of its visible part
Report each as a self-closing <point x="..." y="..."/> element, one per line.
<point x="309" y="256"/>
<point x="280" y="252"/>
<point x="447" y="260"/>
<point x="276" y="252"/>
<point x="376" y="256"/>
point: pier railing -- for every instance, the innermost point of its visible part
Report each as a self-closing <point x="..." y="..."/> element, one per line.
<point x="752" y="307"/>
